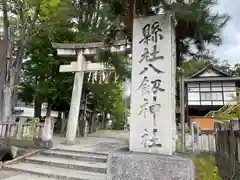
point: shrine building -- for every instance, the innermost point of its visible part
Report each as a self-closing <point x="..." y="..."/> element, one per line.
<point x="208" y="90"/>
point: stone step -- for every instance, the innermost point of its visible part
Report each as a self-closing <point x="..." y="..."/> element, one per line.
<point x="78" y="151"/>
<point x="68" y="163"/>
<point x="76" y="155"/>
<point x="55" y="172"/>
<point x="28" y="176"/>
<point x="7" y="173"/>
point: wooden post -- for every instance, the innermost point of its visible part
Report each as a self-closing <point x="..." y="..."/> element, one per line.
<point x="182" y="109"/>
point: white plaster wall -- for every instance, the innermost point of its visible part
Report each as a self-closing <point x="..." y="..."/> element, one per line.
<point x="209" y="74"/>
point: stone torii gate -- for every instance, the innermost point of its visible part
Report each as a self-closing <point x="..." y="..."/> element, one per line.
<point x="83" y="52"/>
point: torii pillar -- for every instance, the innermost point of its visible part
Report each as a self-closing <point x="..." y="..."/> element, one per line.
<point x="75" y="100"/>
<point x="79" y="67"/>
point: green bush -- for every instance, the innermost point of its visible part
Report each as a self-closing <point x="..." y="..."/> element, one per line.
<point x="117" y="125"/>
<point x="206" y="168"/>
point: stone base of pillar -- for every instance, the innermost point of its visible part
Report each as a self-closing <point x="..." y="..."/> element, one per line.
<point x="68" y="142"/>
<point x="141" y="166"/>
<point x="44" y="144"/>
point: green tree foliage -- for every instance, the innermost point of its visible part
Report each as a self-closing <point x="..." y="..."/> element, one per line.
<point x="196" y="25"/>
<point x="108" y="98"/>
<point x="18" y="21"/>
<point x="193" y="66"/>
<point x="42" y="80"/>
<point x="232" y="112"/>
<point x="236" y="69"/>
<point x="90" y="21"/>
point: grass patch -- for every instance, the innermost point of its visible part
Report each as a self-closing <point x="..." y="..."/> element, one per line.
<point x="206" y="168"/>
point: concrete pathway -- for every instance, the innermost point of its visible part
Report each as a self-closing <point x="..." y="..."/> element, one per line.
<point x="85" y="160"/>
<point x="117" y="134"/>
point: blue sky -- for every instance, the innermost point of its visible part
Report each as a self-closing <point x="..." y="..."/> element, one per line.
<point x="230" y="49"/>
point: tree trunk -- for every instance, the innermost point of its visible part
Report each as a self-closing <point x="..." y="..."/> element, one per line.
<point x="58" y="123"/>
<point x="11" y="68"/>
<point x="16" y="73"/>
<point x="7" y="104"/>
<point x="25" y="35"/>
<point x="9" y="79"/>
<point x="92" y="123"/>
<point x="37" y="107"/>
<point x="63" y="122"/>
<point x="81" y="125"/>
<point x="10" y="99"/>
<point x="3" y="60"/>
<point x="80" y="130"/>
<point x="103" y="120"/>
<point x="49" y="108"/>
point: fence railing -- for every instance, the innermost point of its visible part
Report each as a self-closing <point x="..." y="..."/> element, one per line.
<point x="228" y="149"/>
<point x="223" y="110"/>
<point x="200" y="143"/>
<point x="200" y="140"/>
<point x="21" y="130"/>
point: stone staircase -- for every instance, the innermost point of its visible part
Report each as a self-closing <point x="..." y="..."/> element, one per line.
<point x="60" y="164"/>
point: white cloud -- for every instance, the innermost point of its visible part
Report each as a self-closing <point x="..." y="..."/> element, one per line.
<point x="230" y="49"/>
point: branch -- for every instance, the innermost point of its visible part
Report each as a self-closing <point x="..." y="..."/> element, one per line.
<point x="34" y="19"/>
<point x="21" y="19"/>
<point x="166" y="5"/>
<point x="96" y="17"/>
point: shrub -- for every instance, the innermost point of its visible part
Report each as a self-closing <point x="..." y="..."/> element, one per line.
<point x="206" y="168"/>
<point x="118" y="125"/>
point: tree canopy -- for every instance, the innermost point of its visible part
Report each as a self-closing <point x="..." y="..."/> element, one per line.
<point x="41" y="78"/>
<point x="40" y="22"/>
<point x="196" y="24"/>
